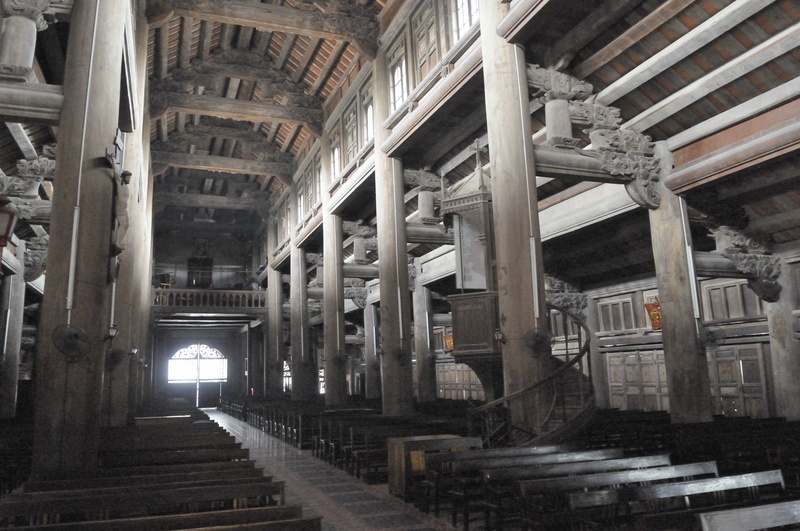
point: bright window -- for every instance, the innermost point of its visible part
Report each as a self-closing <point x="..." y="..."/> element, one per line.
<point x="466" y="14"/>
<point x="197" y="363"/>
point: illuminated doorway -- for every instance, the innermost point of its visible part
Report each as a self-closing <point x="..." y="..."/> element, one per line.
<point x="197" y="363"/>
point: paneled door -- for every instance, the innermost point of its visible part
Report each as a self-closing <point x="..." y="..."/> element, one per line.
<point x="638" y="380"/>
<point x="737" y="380"/>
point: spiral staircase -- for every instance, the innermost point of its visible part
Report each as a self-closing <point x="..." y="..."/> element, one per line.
<point x="566" y="394"/>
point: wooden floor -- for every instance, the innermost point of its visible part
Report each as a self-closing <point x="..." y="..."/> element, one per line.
<point x="345" y="503"/>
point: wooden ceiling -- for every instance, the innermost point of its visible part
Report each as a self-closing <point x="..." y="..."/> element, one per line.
<point x="675" y="68"/>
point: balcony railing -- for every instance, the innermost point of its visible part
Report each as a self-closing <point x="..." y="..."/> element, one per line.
<point x="209" y="300"/>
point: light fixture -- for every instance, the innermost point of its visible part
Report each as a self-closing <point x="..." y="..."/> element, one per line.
<point x="8" y="219"/>
<point x="112" y="332"/>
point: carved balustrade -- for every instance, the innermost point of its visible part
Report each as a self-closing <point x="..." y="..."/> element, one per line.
<point x="209" y="300"/>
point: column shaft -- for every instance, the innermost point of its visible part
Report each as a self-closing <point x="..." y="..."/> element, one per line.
<point x="372" y="377"/>
<point x="68" y="394"/>
<point x="426" y="357"/>
<point x="520" y="274"/>
<point x="13" y="308"/>
<point x="395" y="326"/>
<point x="686" y="364"/>
<point x="304" y="366"/>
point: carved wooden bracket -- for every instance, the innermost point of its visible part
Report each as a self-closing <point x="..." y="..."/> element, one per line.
<point x="748" y="254"/>
<point x="36" y="257"/>
<point x="552" y="84"/>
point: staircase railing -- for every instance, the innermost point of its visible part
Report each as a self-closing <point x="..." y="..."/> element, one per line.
<point x="567" y="390"/>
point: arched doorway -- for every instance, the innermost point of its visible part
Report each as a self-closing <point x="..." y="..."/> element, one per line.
<point x="198" y="364"/>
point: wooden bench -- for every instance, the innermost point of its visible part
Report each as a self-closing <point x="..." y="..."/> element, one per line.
<point x="142" y="480"/>
<point x="537" y="499"/>
<point x="299" y="524"/>
<point x="44" y="507"/>
<point x="674" y="505"/>
<point x="179" y="521"/>
<point x="168" y="456"/>
<point x="752" y="517"/>
<point x="438" y="469"/>
<point x="465" y="475"/>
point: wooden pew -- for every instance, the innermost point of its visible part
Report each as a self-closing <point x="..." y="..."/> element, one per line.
<point x="752" y="517"/>
<point x="673" y="505"/>
<point x="465" y="478"/>
<point x="438" y="469"/>
<point x="179" y="521"/>
<point x="142" y="480"/>
<point x="43" y="507"/>
<point x="169" y="456"/>
<point x="299" y="524"/>
<point x="537" y="499"/>
<point x="151" y="469"/>
<point x="501" y="483"/>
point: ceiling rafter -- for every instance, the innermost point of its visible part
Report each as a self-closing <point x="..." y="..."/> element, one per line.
<point x="354" y="25"/>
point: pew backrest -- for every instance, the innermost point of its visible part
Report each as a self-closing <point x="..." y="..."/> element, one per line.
<point x="502" y="475"/>
<point x="473" y="466"/>
<point x="752" y="517"/>
<point x="620" y="477"/>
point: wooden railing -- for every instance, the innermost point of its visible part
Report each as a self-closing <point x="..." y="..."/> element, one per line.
<point x="209" y="299"/>
<point x="567" y="391"/>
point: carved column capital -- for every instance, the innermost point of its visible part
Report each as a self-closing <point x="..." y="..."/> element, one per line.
<point x="552" y="84"/>
<point x="425" y="180"/>
<point x="642" y="170"/>
<point x="566" y="296"/>
<point x="36" y="257"/>
<point x="748" y="254"/>
<point x="355" y="228"/>
<point x="594" y="114"/>
<point x="32" y="9"/>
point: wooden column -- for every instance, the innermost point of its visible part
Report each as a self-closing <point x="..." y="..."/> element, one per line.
<point x="426" y="357"/>
<point x="686" y="364"/>
<point x="784" y="345"/>
<point x="395" y="326"/>
<point x="13" y="306"/>
<point x="304" y="366"/>
<point x="372" y="376"/>
<point x="68" y="393"/>
<point x="520" y="274"/>
<point x="333" y="289"/>
<point x="275" y="348"/>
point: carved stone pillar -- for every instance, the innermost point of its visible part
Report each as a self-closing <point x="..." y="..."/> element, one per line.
<point x="68" y="388"/>
<point x="395" y="325"/>
<point x="686" y="364"/>
<point x="520" y="278"/>
<point x="426" y="357"/>
<point x="22" y="19"/>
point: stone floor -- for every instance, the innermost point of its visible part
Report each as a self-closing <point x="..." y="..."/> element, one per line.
<point x="345" y="503"/>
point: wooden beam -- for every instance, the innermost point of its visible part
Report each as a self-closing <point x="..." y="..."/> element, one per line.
<point x="466" y="128"/>
<point x="636" y="33"/>
<point x="31" y="103"/>
<point x="590" y="27"/>
<point x="238" y="110"/>
<point x="24" y="143"/>
<point x="268" y="17"/>
<point x="286" y="50"/>
<point x="767" y="51"/>
<point x="210" y="201"/>
<point x="327" y="68"/>
<point x="222" y="164"/>
<point x="706" y="32"/>
<point x="311" y="49"/>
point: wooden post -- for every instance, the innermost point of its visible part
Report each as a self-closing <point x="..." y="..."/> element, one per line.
<point x="69" y="393"/>
<point x="687" y="367"/>
<point x="333" y="288"/>
<point x="426" y="358"/>
<point x="372" y="376"/>
<point x="520" y="272"/>
<point x="304" y="366"/>
<point x="13" y="305"/>
<point x="395" y="325"/>
<point x="784" y="345"/>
